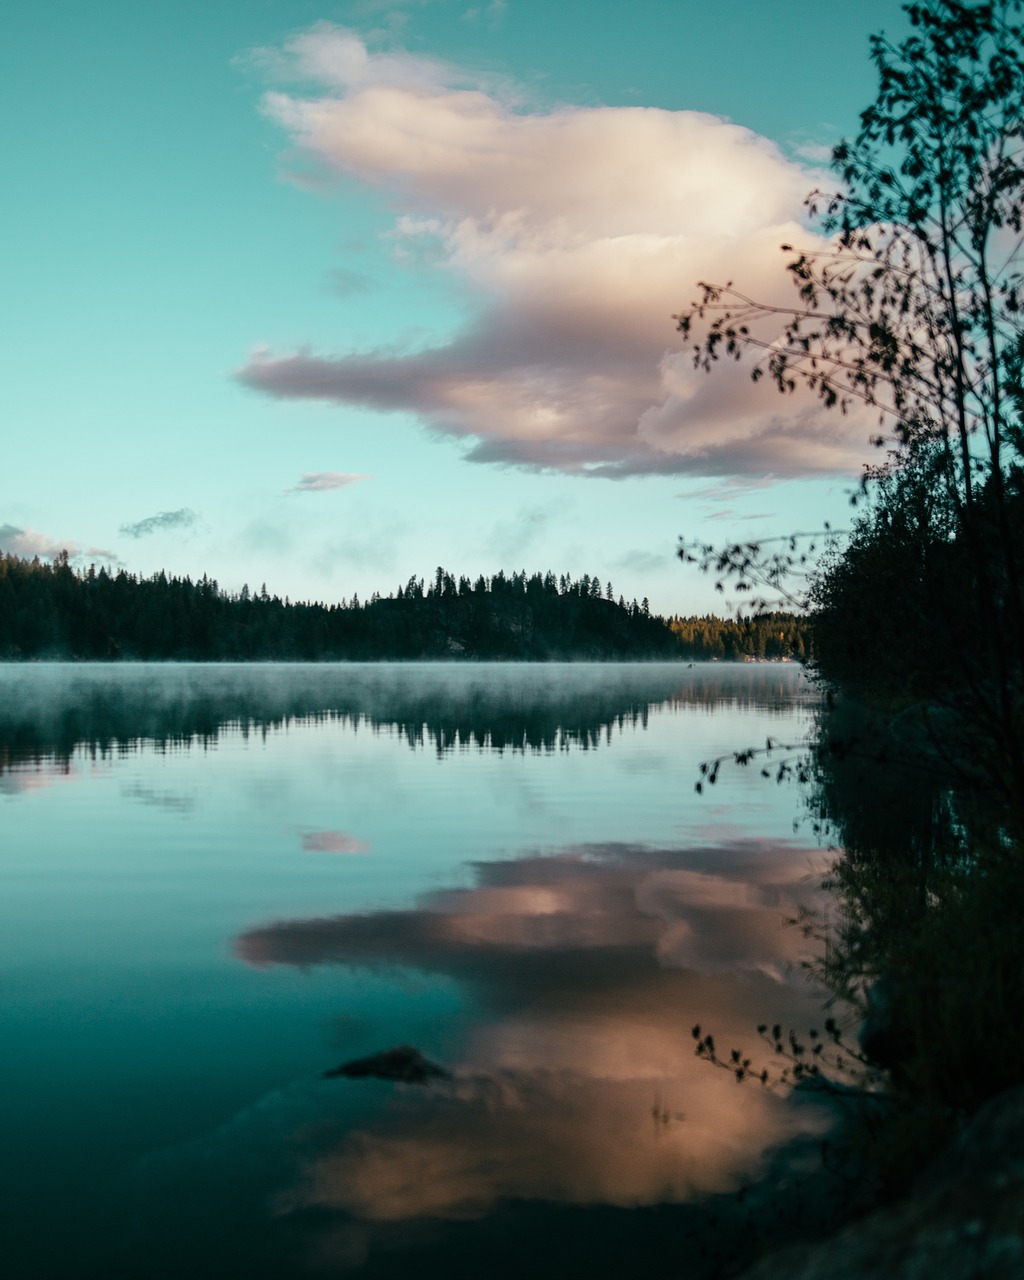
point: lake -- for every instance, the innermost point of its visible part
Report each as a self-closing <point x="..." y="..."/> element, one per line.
<point x="220" y="882"/>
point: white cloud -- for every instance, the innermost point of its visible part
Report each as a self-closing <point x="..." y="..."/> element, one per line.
<point x="336" y="57"/>
<point x="29" y="543"/>
<point x="579" y="232"/>
<point x="321" y="481"/>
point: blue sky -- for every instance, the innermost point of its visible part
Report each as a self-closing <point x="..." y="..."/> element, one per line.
<point x="324" y="295"/>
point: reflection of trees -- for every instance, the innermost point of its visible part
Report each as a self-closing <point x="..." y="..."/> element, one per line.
<point x="50" y="712"/>
<point x="930" y="898"/>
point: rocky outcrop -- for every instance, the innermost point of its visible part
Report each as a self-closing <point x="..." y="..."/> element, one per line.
<point x="962" y="1220"/>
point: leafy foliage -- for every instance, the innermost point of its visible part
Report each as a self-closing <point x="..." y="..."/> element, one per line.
<point x="914" y="306"/>
<point x="781" y="567"/>
<point x="812" y="1059"/>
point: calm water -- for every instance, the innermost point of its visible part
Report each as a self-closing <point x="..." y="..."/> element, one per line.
<point x="219" y="882"/>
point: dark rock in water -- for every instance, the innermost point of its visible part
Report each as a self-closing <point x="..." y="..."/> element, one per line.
<point x="403" y="1063"/>
<point x="963" y="1219"/>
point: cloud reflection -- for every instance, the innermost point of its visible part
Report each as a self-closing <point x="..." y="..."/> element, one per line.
<point x="578" y="1084"/>
<point x="333" y="842"/>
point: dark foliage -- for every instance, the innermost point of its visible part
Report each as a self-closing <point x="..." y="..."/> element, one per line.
<point x="917" y="768"/>
<point x="53" y="611"/>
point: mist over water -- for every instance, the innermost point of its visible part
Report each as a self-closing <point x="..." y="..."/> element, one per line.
<point x="52" y="708"/>
<point x="222" y="881"/>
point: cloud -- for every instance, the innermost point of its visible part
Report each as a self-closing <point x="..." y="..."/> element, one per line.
<point x="183" y="518"/>
<point x="333" y="842"/>
<point x="816" y="152"/>
<point x="321" y="481"/>
<point x="99" y="553"/>
<point x="28" y="543"/>
<point x="725" y="490"/>
<point x="336" y="57"/>
<point x="731" y="513"/>
<point x="577" y="232"/>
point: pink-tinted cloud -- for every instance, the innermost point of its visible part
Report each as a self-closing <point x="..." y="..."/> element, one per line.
<point x="29" y="543"/>
<point x="322" y="481"/>
<point x="579" y="232"/>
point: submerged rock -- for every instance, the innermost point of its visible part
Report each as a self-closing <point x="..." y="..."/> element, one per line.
<point x="962" y="1220"/>
<point x="403" y="1063"/>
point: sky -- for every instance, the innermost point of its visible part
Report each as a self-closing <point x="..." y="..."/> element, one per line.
<point x="324" y="295"/>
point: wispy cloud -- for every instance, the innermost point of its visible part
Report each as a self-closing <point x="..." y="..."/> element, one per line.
<point x="578" y="232"/>
<point x="163" y="522"/>
<point x="321" y="481"/>
<point x="727" y="490"/>
<point x="29" y="543"/>
<point x="732" y="513"/>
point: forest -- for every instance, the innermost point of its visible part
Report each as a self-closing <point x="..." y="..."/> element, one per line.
<point x="56" y="612"/>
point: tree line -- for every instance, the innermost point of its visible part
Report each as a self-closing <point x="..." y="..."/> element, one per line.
<point x="55" y="611"/>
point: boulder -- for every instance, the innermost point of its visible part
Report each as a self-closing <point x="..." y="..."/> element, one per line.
<point x="962" y="1220"/>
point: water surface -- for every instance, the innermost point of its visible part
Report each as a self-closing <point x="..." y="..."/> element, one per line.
<point x="221" y="881"/>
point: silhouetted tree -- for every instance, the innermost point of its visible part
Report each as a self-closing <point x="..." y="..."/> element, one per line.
<point x="914" y="309"/>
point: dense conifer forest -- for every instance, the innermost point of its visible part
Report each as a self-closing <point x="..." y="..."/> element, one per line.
<point x="53" y="611"/>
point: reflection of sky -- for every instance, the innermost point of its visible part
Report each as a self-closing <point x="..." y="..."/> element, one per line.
<point x="579" y="1082"/>
<point x="568" y="977"/>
